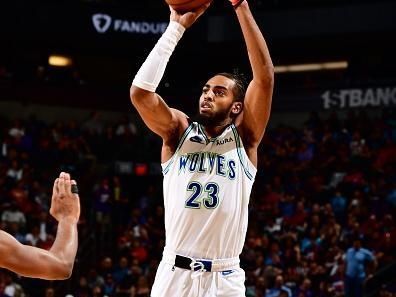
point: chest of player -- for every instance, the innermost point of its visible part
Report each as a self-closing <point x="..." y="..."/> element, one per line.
<point x="217" y="156"/>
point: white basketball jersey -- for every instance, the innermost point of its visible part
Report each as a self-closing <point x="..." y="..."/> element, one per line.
<point x="207" y="185"/>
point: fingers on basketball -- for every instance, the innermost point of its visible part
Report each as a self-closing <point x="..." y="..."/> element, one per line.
<point x="182" y="6"/>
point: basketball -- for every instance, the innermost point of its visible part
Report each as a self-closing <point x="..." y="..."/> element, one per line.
<point x="186" y="5"/>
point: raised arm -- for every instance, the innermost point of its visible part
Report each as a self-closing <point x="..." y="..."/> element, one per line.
<point x="57" y="263"/>
<point x="257" y="105"/>
<point x="157" y="115"/>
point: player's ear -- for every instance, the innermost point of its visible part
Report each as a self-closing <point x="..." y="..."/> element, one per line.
<point x="236" y="108"/>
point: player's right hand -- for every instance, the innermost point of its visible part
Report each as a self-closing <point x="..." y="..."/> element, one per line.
<point x="65" y="205"/>
<point x="188" y="18"/>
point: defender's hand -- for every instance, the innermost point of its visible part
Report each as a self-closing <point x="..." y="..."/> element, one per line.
<point x="64" y="203"/>
<point x="188" y="18"/>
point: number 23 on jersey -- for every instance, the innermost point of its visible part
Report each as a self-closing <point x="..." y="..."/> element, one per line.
<point x="206" y="195"/>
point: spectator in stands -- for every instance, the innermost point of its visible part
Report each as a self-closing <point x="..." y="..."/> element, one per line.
<point x="16" y="231"/>
<point x="126" y="127"/>
<point x="304" y="290"/>
<point x="391" y="197"/>
<point x="94" y="279"/>
<point x="300" y="222"/>
<point x="17" y="131"/>
<point x="15" y="172"/>
<point x="339" y="204"/>
<point x="12" y="288"/>
<point x="12" y="214"/>
<point x="278" y="288"/>
<point x="357" y="259"/>
<point x="33" y="238"/>
<point x="94" y="124"/>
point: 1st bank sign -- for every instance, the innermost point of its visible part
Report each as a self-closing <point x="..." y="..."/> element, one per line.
<point x="104" y="23"/>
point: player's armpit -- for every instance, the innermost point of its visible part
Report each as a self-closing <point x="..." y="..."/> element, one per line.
<point x="256" y="112"/>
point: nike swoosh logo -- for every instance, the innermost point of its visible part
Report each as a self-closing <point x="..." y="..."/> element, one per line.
<point x="227" y="272"/>
<point x="196" y="139"/>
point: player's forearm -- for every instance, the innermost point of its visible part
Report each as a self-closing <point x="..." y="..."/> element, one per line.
<point x="30" y="261"/>
<point x="152" y="70"/>
<point x="65" y="245"/>
<point x="259" y="56"/>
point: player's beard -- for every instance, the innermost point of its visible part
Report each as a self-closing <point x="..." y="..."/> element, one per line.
<point x="210" y="120"/>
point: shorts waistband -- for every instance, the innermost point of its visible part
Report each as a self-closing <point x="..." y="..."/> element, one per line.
<point x="195" y="264"/>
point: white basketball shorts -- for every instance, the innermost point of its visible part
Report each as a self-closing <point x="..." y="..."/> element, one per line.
<point x="172" y="281"/>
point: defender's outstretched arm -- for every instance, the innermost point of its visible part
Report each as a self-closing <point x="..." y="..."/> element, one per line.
<point x="57" y="263"/>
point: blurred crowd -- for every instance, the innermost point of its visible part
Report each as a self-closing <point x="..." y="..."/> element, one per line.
<point x="322" y="192"/>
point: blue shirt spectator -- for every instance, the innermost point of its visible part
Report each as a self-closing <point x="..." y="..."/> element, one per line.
<point x="275" y="292"/>
<point x="278" y="287"/>
<point x="338" y="203"/>
<point x="356" y="258"/>
<point x="391" y="198"/>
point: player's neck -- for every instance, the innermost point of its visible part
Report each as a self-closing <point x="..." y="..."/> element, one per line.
<point x="215" y="130"/>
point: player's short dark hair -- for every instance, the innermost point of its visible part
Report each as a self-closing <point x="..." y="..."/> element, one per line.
<point x="239" y="89"/>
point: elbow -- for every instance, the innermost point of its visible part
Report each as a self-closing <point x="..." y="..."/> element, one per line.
<point x="134" y="94"/>
<point x="269" y="75"/>
<point x="64" y="271"/>
<point x="68" y="270"/>
<point x="266" y="76"/>
<point x="137" y="95"/>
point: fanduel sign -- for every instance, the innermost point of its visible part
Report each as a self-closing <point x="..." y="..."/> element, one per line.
<point x="103" y="23"/>
<point x="354" y="98"/>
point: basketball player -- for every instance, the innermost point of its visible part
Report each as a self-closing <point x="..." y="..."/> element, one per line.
<point x="57" y="263"/>
<point x="208" y="166"/>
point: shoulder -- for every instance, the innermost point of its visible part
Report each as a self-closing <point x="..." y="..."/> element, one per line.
<point x="172" y="139"/>
<point x="183" y="121"/>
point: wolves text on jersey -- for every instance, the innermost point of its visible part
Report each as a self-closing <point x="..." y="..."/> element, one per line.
<point x="206" y="162"/>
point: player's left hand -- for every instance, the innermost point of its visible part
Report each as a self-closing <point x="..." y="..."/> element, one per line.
<point x="65" y="204"/>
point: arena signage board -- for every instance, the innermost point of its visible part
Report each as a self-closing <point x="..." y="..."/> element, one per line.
<point x="357" y="98"/>
<point x="104" y="23"/>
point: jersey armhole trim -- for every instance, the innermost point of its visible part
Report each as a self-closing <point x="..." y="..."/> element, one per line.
<point x="240" y="155"/>
<point x="168" y="163"/>
<point x="203" y="133"/>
